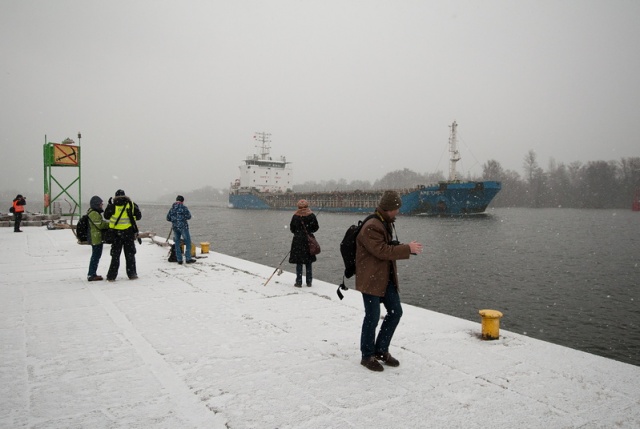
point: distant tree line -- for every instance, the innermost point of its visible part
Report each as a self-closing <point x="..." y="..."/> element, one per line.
<point x="206" y="195"/>
<point x="399" y="179"/>
<point x="597" y="184"/>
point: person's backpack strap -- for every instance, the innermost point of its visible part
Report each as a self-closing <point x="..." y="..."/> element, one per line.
<point x="119" y="216"/>
<point x="343" y="287"/>
<point x="132" y="218"/>
<point x="91" y="222"/>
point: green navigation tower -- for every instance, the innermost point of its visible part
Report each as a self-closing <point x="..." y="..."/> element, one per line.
<point x="65" y="158"/>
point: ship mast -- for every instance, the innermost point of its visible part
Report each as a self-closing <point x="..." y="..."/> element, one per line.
<point x="453" y="152"/>
<point x="264" y="139"/>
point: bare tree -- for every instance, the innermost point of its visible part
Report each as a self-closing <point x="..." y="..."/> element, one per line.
<point x="535" y="180"/>
<point x="492" y="170"/>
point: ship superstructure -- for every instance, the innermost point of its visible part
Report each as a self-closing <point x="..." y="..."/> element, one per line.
<point x="262" y="173"/>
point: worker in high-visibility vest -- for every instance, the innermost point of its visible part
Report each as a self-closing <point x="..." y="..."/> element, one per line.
<point x="122" y="214"/>
<point x="18" y="208"/>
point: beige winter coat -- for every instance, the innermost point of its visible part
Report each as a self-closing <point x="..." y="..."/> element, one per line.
<point x="375" y="256"/>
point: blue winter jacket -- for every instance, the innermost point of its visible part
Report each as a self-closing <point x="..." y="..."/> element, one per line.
<point x="178" y="216"/>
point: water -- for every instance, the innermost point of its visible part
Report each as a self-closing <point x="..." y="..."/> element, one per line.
<point x="567" y="276"/>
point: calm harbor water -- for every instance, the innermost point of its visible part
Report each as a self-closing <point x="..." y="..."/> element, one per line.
<point x="567" y="276"/>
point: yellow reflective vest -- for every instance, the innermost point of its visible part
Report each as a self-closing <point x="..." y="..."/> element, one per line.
<point x="124" y="221"/>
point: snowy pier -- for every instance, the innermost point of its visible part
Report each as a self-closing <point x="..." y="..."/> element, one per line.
<point x="208" y="346"/>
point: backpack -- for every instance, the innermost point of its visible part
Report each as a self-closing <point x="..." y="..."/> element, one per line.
<point x="348" y="251"/>
<point x="172" y="254"/>
<point x="348" y="247"/>
<point x="82" y="229"/>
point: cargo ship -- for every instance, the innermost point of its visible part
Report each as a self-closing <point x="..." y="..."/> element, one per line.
<point x="266" y="184"/>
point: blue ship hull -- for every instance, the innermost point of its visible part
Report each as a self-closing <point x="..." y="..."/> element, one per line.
<point x="461" y="198"/>
<point x="445" y="198"/>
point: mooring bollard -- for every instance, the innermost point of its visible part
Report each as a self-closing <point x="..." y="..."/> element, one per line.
<point x="490" y="324"/>
<point x="193" y="248"/>
<point x="204" y="247"/>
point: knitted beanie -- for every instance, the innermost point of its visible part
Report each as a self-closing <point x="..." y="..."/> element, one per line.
<point x="120" y="193"/>
<point x="302" y="204"/>
<point x="390" y="201"/>
<point x="95" y="202"/>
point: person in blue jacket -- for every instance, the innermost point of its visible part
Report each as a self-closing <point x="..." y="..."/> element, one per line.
<point x="178" y="215"/>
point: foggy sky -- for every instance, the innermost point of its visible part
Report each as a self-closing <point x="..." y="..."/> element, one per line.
<point x="168" y="94"/>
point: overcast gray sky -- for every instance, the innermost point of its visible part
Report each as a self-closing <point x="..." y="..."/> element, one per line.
<point x="168" y="94"/>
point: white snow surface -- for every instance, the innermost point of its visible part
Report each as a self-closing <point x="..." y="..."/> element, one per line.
<point x="209" y="346"/>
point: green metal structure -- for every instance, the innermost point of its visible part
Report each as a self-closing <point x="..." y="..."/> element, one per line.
<point x="65" y="155"/>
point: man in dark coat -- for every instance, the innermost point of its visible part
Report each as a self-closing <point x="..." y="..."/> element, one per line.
<point x="377" y="279"/>
<point x="303" y="221"/>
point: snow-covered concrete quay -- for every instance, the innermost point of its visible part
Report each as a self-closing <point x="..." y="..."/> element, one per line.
<point x="208" y="346"/>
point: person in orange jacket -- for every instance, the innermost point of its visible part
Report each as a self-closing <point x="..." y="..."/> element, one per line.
<point x="18" y="208"/>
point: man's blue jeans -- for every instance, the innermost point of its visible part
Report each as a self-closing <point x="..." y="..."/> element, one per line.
<point x="369" y="345"/>
<point x="184" y="235"/>
<point x="96" y="254"/>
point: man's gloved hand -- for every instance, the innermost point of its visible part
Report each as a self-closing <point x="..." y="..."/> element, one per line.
<point x="111" y="200"/>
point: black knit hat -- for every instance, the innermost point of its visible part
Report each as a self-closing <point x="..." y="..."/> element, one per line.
<point x="390" y="201"/>
<point x="95" y="202"/>
<point x="120" y="193"/>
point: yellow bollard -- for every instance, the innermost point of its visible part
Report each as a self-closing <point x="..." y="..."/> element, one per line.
<point x="193" y="249"/>
<point x="490" y="324"/>
<point x="204" y="247"/>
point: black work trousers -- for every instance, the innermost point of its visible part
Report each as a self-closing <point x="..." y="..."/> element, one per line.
<point x="17" y="218"/>
<point x="123" y="239"/>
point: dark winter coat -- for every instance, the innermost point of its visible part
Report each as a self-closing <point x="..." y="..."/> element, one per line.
<point x="300" y="242"/>
<point x="121" y="201"/>
<point x="376" y="258"/>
